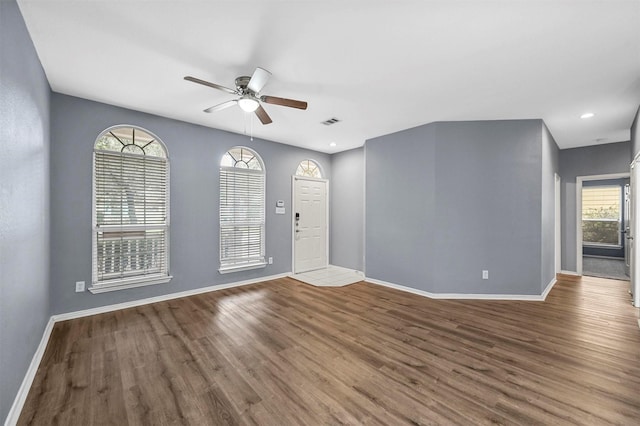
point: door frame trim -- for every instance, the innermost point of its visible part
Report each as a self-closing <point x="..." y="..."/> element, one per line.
<point x="293" y="218"/>
<point x="557" y="221"/>
<point x="579" y="180"/>
<point x="634" y="284"/>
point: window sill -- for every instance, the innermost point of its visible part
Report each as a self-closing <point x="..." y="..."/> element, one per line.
<point x="229" y="269"/>
<point x="602" y="246"/>
<point x="130" y="283"/>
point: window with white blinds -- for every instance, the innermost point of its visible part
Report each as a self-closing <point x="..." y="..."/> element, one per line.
<point x="242" y="212"/>
<point x="131" y="210"/>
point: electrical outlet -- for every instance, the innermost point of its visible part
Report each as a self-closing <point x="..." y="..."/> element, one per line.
<point x="485" y="275"/>
<point x="79" y="286"/>
<point x="271" y="261"/>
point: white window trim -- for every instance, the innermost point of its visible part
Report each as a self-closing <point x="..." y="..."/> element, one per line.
<point x="229" y="269"/>
<point x="140" y="280"/>
<point x="125" y="283"/>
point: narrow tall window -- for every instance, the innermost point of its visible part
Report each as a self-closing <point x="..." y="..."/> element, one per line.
<point x="242" y="217"/>
<point x="601" y="215"/>
<point x="309" y="168"/>
<point x="131" y="210"/>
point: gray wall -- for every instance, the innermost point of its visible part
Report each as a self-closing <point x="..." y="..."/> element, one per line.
<point x="347" y="209"/>
<point x="550" y="166"/>
<point x="194" y="153"/>
<point x="585" y="161"/>
<point x="24" y="202"/>
<point x="446" y="200"/>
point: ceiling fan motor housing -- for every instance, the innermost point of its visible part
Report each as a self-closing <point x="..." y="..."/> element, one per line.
<point x="242" y="82"/>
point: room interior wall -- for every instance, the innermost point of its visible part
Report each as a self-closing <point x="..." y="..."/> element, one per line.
<point x="585" y="161"/>
<point x="550" y="166"/>
<point x="24" y="202"/>
<point x="347" y="209"/>
<point x="445" y="201"/>
<point x="194" y="153"/>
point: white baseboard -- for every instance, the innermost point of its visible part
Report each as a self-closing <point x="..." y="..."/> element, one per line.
<point x="23" y="391"/>
<point x="574" y="273"/>
<point x="21" y="397"/>
<point x="470" y="296"/>
<point x="546" y="291"/>
<point x="164" y="297"/>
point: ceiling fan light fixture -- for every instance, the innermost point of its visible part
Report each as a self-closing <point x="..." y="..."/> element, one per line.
<point x="248" y="104"/>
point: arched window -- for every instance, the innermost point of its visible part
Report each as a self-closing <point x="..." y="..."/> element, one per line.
<point x="242" y="212"/>
<point x="131" y="210"/>
<point x="309" y="168"/>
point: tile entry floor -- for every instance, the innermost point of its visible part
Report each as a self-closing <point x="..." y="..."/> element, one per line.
<point x="331" y="276"/>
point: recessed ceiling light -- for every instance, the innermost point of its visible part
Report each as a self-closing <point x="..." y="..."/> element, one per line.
<point x="587" y="115"/>
<point x="333" y="144"/>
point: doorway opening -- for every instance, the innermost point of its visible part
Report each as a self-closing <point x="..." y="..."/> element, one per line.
<point x="602" y="226"/>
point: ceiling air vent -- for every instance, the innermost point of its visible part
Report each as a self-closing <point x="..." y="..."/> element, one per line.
<point x="330" y="121"/>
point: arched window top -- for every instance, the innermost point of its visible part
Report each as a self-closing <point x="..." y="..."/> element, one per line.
<point x="130" y="140"/>
<point x="242" y="158"/>
<point x="309" y="168"/>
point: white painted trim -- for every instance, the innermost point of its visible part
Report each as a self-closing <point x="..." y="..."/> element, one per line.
<point x="132" y="283"/>
<point x="23" y="391"/>
<point x="557" y="219"/>
<point x="470" y="296"/>
<point x="162" y="298"/>
<point x="634" y="207"/>
<point x="579" y="180"/>
<point x="364" y="209"/>
<point x="546" y="291"/>
<point x="573" y="273"/>
<point x="229" y="269"/>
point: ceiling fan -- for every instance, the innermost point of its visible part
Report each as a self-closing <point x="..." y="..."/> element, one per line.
<point x="248" y="89"/>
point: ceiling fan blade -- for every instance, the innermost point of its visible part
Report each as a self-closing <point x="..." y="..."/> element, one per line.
<point x="263" y="116"/>
<point x="206" y="83"/>
<point x="221" y="106"/>
<point x="258" y="80"/>
<point x="292" y="103"/>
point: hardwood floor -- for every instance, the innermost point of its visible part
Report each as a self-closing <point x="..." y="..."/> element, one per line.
<point x="282" y="352"/>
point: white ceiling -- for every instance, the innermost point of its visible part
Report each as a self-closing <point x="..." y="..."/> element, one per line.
<point x="378" y="66"/>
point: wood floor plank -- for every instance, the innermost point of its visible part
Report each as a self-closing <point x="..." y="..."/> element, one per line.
<point x="286" y="353"/>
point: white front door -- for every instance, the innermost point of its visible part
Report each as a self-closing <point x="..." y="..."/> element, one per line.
<point x="309" y="224"/>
